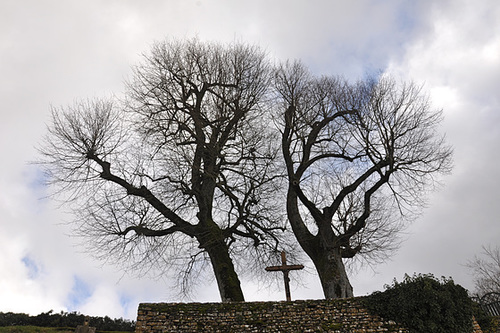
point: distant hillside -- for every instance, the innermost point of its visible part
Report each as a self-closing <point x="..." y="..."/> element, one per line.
<point x="64" y="320"/>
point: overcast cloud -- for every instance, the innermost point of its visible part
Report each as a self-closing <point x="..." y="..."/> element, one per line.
<point x="53" y="52"/>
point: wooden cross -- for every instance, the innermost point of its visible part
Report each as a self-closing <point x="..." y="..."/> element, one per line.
<point x="285" y="269"/>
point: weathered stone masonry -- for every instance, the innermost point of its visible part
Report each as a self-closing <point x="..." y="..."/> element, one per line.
<point x="338" y="316"/>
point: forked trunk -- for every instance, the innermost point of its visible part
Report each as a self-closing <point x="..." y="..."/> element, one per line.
<point x="332" y="274"/>
<point x="328" y="262"/>
<point x="225" y="275"/>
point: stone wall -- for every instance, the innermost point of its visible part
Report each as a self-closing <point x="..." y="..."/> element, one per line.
<point x="299" y="316"/>
<point x="339" y="316"/>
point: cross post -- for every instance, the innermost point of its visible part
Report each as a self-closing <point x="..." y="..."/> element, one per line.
<point x="285" y="269"/>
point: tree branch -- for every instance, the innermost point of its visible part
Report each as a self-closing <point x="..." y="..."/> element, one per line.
<point x="143" y="231"/>
<point x="144" y="193"/>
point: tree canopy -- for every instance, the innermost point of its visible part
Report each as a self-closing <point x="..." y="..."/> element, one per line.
<point x="186" y="170"/>
<point x="182" y="170"/>
<point x="359" y="157"/>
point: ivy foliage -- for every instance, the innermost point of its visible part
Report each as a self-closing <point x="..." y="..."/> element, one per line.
<point x="423" y="304"/>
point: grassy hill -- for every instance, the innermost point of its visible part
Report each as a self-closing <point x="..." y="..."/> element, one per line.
<point x="35" y="329"/>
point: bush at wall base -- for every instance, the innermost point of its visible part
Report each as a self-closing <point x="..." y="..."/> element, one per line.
<point x="424" y="304"/>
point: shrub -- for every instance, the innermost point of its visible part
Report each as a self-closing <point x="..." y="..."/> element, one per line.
<point x="424" y="304"/>
<point x="489" y="324"/>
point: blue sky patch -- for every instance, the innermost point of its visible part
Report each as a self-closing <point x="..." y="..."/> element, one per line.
<point x="32" y="266"/>
<point x="80" y="292"/>
<point x="37" y="178"/>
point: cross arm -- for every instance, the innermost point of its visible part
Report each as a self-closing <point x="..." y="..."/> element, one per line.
<point x="284" y="268"/>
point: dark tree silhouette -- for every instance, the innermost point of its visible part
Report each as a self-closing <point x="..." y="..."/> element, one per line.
<point x="355" y="155"/>
<point x="184" y="171"/>
<point x="65" y="320"/>
<point x="179" y="174"/>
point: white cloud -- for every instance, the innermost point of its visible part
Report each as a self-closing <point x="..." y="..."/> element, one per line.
<point x="458" y="61"/>
<point x="103" y="300"/>
<point x="55" y="52"/>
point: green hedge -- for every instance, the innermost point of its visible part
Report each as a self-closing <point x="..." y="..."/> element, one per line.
<point x="65" y="319"/>
<point x="424" y="304"/>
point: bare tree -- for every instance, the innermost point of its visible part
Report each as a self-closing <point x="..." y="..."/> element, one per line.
<point x="359" y="159"/>
<point x="180" y="174"/>
<point x="486" y="271"/>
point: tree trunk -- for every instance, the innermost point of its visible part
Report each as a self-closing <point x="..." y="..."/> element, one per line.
<point x="330" y="268"/>
<point x="225" y="275"/>
<point x="332" y="274"/>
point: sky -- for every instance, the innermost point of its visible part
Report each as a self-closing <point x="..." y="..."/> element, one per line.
<point x="53" y="52"/>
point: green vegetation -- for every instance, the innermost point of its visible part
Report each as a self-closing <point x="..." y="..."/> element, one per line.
<point x="424" y="304"/>
<point x="38" y="329"/>
<point x="35" y="329"/>
<point x="489" y="324"/>
<point x="49" y="322"/>
<point x="331" y="326"/>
